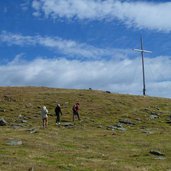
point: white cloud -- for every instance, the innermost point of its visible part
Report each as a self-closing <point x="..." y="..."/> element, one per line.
<point x="122" y="76"/>
<point x="67" y="47"/>
<point x="134" y="14"/>
<point x="24" y="5"/>
<point x="36" y="5"/>
<point x="16" y="39"/>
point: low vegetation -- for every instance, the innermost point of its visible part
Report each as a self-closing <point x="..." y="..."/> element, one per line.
<point x="116" y="132"/>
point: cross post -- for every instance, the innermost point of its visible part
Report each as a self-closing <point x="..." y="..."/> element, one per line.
<point x="142" y="58"/>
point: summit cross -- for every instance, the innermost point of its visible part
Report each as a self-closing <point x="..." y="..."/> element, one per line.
<point x="142" y="51"/>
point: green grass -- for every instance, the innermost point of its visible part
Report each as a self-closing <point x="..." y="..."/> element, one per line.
<point x="88" y="145"/>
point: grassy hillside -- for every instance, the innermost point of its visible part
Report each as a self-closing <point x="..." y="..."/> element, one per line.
<point x="116" y="132"/>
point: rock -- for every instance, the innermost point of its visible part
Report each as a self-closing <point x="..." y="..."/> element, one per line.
<point x="126" y="121"/>
<point x="108" y="92"/>
<point x="21" y="121"/>
<point x="153" y="113"/>
<point x="17" y="126"/>
<point x="153" y="116"/>
<point x="99" y="126"/>
<point x="148" y="132"/>
<point x="157" y="153"/>
<point x="169" y="120"/>
<point x="2" y="122"/>
<point x="28" y="105"/>
<point x="32" y="130"/>
<point x="67" y="124"/>
<point x="117" y="126"/>
<point x="138" y="119"/>
<point x="14" y="142"/>
<point x="23" y="117"/>
<point x="2" y="110"/>
<point x="110" y="127"/>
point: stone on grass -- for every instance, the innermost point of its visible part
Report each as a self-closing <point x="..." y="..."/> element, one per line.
<point x="23" y="121"/>
<point x="169" y="120"/>
<point x="154" y="116"/>
<point x="117" y="126"/>
<point x="148" y="132"/>
<point x="157" y="153"/>
<point x="2" y="110"/>
<point x="67" y="124"/>
<point x="3" y="122"/>
<point x="28" y="105"/>
<point x="14" y="142"/>
<point x="99" y="126"/>
<point x="153" y="113"/>
<point x="16" y="126"/>
<point x="126" y="121"/>
<point x="32" y="130"/>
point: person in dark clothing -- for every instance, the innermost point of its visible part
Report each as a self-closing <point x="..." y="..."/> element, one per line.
<point x="58" y="111"/>
<point x="75" y="110"/>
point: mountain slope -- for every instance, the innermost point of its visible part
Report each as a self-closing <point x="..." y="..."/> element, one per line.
<point x="116" y="132"/>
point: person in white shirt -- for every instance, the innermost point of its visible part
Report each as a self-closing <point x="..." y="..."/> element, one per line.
<point x="44" y="114"/>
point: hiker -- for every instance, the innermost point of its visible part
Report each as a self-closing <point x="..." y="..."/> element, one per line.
<point x="58" y="111"/>
<point x="75" y="110"/>
<point x="44" y="114"/>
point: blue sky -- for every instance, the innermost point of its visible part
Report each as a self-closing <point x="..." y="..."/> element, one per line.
<point x="86" y="43"/>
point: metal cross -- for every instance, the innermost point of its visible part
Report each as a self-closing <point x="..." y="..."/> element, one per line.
<point x="143" y="69"/>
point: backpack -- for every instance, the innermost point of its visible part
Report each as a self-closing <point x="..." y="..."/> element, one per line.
<point x="74" y="108"/>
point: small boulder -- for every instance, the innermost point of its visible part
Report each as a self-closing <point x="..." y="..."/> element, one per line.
<point x="153" y="116"/>
<point x="157" y="153"/>
<point x="32" y="130"/>
<point x="2" y="122"/>
<point x="99" y="126"/>
<point x="126" y="121"/>
<point x="16" y="126"/>
<point x="117" y="126"/>
<point x="28" y="105"/>
<point x="14" y="142"/>
<point x="67" y="124"/>
<point x="169" y="120"/>
<point x="2" y="110"/>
